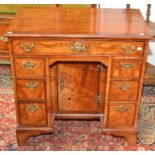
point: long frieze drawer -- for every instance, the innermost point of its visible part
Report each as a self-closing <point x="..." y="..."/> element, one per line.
<point x="45" y="47"/>
<point x="123" y="90"/>
<point x="32" y="114"/>
<point x="29" y="67"/>
<point x="121" y="116"/>
<point x="126" y="68"/>
<point x="30" y="89"/>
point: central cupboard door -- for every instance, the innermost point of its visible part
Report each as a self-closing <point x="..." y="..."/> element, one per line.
<point x="81" y="87"/>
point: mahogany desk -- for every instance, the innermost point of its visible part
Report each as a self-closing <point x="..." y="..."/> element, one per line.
<point x="77" y="64"/>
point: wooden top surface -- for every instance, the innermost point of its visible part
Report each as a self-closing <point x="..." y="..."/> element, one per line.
<point x="81" y="22"/>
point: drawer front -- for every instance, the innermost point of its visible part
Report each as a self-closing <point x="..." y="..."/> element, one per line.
<point x="32" y="114"/>
<point x="121" y="116"/>
<point x="45" y="47"/>
<point x="123" y="90"/>
<point x="126" y="68"/>
<point x="30" y="89"/>
<point x="28" y="67"/>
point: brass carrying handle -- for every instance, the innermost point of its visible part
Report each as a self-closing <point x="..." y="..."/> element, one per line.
<point x="124" y="87"/>
<point x="27" y="48"/>
<point x="129" y="49"/>
<point x="4" y="39"/>
<point x="121" y="109"/>
<point x="78" y="47"/>
<point x="32" y="108"/>
<point x="31" y="85"/>
<point x="127" y="65"/>
<point x="28" y="65"/>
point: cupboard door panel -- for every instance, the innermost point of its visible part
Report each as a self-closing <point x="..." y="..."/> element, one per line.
<point x="79" y="87"/>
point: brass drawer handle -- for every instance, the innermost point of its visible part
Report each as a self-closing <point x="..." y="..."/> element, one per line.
<point x="32" y="108"/>
<point x="78" y="47"/>
<point x="128" y="49"/>
<point x="127" y="65"/>
<point x="121" y="109"/>
<point x="31" y="85"/>
<point x="27" y="48"/>
<point x="29" y="65"/>
<point x="4" y="39"/>
<point x="124" y="87"/>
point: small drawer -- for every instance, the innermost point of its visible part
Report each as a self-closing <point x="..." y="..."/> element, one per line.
<point x="30" y="89"/>
<point x="32" y="114"/>
<point x="46" y="47"/>
<point x="121" y="116"/>
<point x="123" y="90"/>
<point x="126" y="68"/>
<point x="28" y="67"/>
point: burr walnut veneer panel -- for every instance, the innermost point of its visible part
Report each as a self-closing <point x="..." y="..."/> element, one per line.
<point x="32" y="115"/>
<point x="29" y="67"/>
<point x="47" y="47"/>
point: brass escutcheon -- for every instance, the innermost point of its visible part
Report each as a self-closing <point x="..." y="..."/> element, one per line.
<point x="78" y="47"/>
<point x="27" y="48"/>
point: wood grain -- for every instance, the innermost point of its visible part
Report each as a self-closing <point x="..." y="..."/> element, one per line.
<point x="46" y="47"/>
<point x="128" y="69"/>
<point x="26" y="93"/>
<point x="121" y="119"/>
<point x="119" y="93"/>
<point x="29" y="68"/>
<point x="79" y="22"/>
<point x="81" y="82"/>
<point x="30" y="117"/>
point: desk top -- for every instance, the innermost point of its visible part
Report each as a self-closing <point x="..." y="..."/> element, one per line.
<point x="80" y="22"/>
